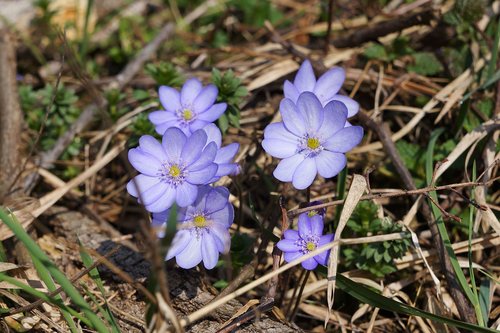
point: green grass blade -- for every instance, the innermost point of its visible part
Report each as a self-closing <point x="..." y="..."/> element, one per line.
<point x="94" y="274"/>
<point x="429" y="170"/>
<point x="38" y="294"/>
<point x="56" y="274"/>
<point x="368" y="296"/>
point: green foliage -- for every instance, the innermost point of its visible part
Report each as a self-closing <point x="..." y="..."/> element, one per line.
<point x="62" y="114"/>
<point x="256" y="12"/>
<point x="425" y="63"/>
<point x="398" y="48"/>
<point x="376" y="258"/>
<point x="232" y="92"/>
<point x="165" y="74"/>
<point x="241" y="250"/>
<point x="141" y="126"/>
<point x="127" y="42"/>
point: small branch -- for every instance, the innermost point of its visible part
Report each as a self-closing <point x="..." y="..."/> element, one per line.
<point x="372" y="33"/>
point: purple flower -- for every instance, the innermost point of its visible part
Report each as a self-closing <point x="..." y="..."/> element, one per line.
<point x="224" y="156"/>
<point x="310" y="140"/>
<point x="308" y="238"/>
<point x="326" y="88"/>
<point x="171" y="171"/>
<point x="202" y="229"/>
<point x="189" y="110"/>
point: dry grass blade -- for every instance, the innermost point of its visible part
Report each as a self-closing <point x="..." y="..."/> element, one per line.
<point x="7" y="266"/>
<point x="358" y="187"/>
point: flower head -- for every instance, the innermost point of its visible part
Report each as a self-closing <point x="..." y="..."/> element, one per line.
<point x="311" y="139"/>
<point x="189" y="110"/>
<point x="224" y="156"/>
<point x="202" y="229"/>
<point x="326" y="88"/>
<point x="308" y="238"/>
<point x="172" y="170"/>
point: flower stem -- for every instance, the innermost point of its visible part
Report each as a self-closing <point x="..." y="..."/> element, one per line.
<point x="299" y="297"/>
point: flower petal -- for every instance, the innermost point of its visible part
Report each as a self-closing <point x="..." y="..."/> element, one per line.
<point x="322" y="258"/>
<point x="151" y="146"/>
<point x="287" y="245"/>
<point x="164" y="202"/>
<point x="186" y="194"/>
<point x="345" y="139"/>
<point x="179" y="243"/>
<point x="304" y="226"/>
<point x="191" y="256"/>
<point x="143" y="162"/>
<point x="193" y="147"/>
<point x="291" y="256"/>
<point x="226" y="153"/>
<point x="286" y="168"/>
<point x="213" y="113"/>
<point x="311" y="110"/>
<point x="304" y="174"/>
<point x="352" y="105"/>
<point x="279" y="148"/>
<point x="161" y="128"/>
<point x="224" y="216"/>
<point x="293" y="120"/>
<point x="316" y="225"/>
<point x="209" y="253"/>
<point x="162" y="116"/>
<point x="206" y="157"/>
<point x="140" y="184"/>
<point x="221" y="236"/>
<point x="189" y="91"/>
<point x="217" y="199"/>
<point x="170" y="98"/>
<point x="334" y="119"/>
<point x="291" y="234"/>
<point x="310" y="264"/>
<point x="202" y="176"/>
<point x="290" y="91"/>
<point x="205" y="99"/>
<point x="173" y="141"/>
<point x="329" y="164"/>
<point x="305" y="79"/>
<point x="213" y="134"/>
<point x="329" y="84"/>
<point x="279" y="131"/>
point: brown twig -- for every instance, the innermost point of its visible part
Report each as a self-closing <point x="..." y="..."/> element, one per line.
<point x="381" y="29"/>
<point x="329" y="27"/>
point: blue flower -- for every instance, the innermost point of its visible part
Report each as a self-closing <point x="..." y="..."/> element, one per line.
<point x="224" y="156"/>
<point x="202" y="229"/>
<point x="310" y="140"/>
<point x="326" y="88"/>
<point x="171" y="171"/>
<point x="308" y="238"/>
<point x="189" y="110"/>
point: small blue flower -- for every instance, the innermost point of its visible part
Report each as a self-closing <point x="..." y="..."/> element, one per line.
<point x="310" y="140"/>
<point x="326" y="88"/>
<point x="224" y="156"/>
<point x="171" y="171"/>
<point x="189" y="110"/>
<point x="202" y="229"/>
<point x="308" y="238"/>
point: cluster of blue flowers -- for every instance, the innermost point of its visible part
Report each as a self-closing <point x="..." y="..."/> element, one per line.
<point x="180" y="169"/>
<point x="312" y="139"/>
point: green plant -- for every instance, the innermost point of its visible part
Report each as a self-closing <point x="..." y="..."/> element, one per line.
<point x="232" y="92"/>
<point x="165" y="74"/>
<point x="376" y="258"/>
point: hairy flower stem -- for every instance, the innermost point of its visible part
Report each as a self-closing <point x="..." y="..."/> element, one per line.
<point x="295" y="289"/>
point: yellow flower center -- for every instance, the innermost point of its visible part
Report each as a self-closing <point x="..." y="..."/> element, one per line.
<point x="312" y="213"/>
<point x="200" y="221"/>
<point x="310" y="246"/>
<point x="174" y="171"/>
<point x="312" y="143"/>
<point x="187" y="114"/>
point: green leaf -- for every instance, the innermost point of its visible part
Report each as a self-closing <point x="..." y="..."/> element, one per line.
<point x="376" y="51"/>
<point x="425" y="63"/>
<point x="365" y="295"/>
